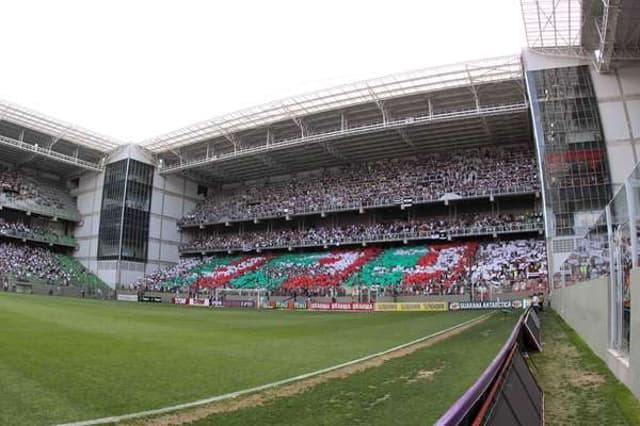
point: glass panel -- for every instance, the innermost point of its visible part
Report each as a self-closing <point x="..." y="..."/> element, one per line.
<point x="125" y="215"/>
<point x="589" y="259"/>
<point x="111" y="216"/>
<point x="571" y="148"/>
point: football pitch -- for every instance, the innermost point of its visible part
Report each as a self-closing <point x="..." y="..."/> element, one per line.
<point x="64" y="360"/>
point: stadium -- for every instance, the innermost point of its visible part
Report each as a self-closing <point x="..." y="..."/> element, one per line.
<point x="488" y="204"/>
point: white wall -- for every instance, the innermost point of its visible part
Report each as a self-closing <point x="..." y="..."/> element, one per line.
<point x="585" y="307"/>
<point x="89" y="193"/>
<point x="618" y="96"/>
<point x="173" y="196"/>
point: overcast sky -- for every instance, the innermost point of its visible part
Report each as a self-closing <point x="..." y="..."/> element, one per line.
<point x="135" y="69"/>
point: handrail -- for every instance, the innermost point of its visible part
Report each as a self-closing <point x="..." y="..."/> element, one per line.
<point x="335" y="208"/>
<point x="50" y="153"/>
<point x="42" y="210"/>
<point x="59" y="241"/>
<point x="369" y="127"/>
<point x="400" y="236"/>
<point x="467" y="408"/>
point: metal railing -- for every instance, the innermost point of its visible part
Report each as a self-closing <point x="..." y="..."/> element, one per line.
<point x="321" y="137"/>
<point x="307" y="210"/>
<point x="47" y="152"/>
<point x="32" y="207"/>
<point x="47" y="239"/>
<point x="405" y="237"/>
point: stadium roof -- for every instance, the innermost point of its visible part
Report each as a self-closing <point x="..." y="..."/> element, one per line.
<point x="56" y="128"/>
<point x="370" y="91"/>
<point x="466" y="104"/>
<point x="601" y="30"/>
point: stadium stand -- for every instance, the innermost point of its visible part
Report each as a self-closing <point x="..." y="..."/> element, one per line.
<point x="182" y="274"/>
<point x="420" y="270"/>
<point x="39" y="265"/>
<point x="419" y="179"/>
<point x="21" y="191"/>
<point x="78" y="275"/>
<point x="428" y="228"/>
<point x="35" y="233"/>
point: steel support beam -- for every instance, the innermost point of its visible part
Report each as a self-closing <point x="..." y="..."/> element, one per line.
<point x="324" y="137"/>
<point x="607" y="34"/>
<point x="43" y="152"/>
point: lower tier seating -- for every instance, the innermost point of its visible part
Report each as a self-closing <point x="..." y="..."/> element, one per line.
<point x="424" y="268"/>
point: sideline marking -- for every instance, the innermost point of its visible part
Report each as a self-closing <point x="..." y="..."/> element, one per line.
<point x="231" y="395"/>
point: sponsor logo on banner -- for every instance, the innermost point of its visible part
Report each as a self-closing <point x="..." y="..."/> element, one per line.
<point x="235" y="304"/>
<point x="489" y="304"/>
<point x="285" y="305"/>
<point x="199" y="302"/>
<point x="516" y="304"/>
<point x="151" y="299"/>
<point x="180" y="301"/>
<point x="319" y="306"/>
<point x="412" y="306"/>
<point x="127" y="297"/>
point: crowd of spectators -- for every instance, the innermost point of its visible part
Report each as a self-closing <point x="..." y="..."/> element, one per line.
<point x="25" y="263"/>
<point x="38" y="233"/>
<point x="491" y="267"/>
<point x="176" y="273"/>
<point x="430" y="228"/>
<point x="456" y="173"/>
<point x="16" y="186"/>
<point x="509" y="265"/>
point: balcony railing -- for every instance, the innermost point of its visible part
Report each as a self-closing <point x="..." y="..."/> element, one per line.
<point x="30" y="207"/>
<point x="444" y="234"/>
<point x="51" y="239"/>
<point x="363" y="129"/>
<point x="307" y="210"/>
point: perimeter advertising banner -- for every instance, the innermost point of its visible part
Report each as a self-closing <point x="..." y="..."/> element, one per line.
<point x="290" y="305"/>
<point x="360" y="307"/>
<point x="412" y="306"/>
<point x="204" y="303"/>
<point x="488" y="304"/>
<point x="127" y="297"/>
<point x="151" y="299"/>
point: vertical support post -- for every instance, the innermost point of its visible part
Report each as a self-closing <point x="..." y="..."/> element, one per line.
<point x="124" y="202"/>
<point x="612" y="279"/>
<point x="631" y="209"/>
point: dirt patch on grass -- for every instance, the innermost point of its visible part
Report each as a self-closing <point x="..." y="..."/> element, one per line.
<point x="263" y="397"/>
<point x="423" y="375"/>
<point x="577" y="386"/>
<point x="586" y="379"/>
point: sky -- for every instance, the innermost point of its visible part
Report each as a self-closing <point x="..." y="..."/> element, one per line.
<point x="134" y="69"/>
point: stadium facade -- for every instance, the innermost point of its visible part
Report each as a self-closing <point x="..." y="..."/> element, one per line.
<point x="573" y="94"/>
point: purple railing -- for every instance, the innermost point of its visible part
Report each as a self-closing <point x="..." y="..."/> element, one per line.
<point x="470" y="399"/>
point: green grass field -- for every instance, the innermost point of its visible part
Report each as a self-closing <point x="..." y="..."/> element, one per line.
<point x="579" y="388"/>
<point x="413" y="390"/>
<point x="67" y="360"/>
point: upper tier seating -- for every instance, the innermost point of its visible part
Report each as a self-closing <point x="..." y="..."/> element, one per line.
<point x="440" y="228"/>
<point x="35" y="233"/>
<point x="28" y="193"/>
<point x="457" y="173"/>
